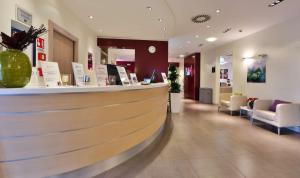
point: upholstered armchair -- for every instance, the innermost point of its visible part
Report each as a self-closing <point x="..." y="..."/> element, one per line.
<point x="231" y="102"/>
<point x="286" y="115"/>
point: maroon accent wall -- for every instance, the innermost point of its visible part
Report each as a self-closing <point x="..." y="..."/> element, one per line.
<point x="174" y="63"/>
<point x="129" y="66"/>
<point x="145" y="62"/>
<point x="192" y="81"/>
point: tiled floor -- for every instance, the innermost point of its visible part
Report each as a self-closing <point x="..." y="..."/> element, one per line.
<point x="202" y="143"/>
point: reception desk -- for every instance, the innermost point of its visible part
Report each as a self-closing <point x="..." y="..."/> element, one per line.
<point x="50" y="132"/>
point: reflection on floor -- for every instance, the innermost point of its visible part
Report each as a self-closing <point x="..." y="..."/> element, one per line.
<point x="200" y="143"/>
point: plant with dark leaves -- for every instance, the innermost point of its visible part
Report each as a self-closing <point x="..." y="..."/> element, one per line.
<point x="21" y="40"/>
<point x="173" y="78"/>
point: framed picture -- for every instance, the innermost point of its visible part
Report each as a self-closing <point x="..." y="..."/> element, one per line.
<point x="23" y="16"/>
<point x="223" y="73"/>
<point x="90" y="61"/>
<point x="256" y="72"/>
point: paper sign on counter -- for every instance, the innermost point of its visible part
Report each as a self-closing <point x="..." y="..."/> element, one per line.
<point x="123" y="75"/>
<point x="51" y="74"/>
<point x="101" y="74"/>
<point x="78" y="73"/>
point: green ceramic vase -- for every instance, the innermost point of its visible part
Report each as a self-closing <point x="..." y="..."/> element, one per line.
<point x="15" y="69"/>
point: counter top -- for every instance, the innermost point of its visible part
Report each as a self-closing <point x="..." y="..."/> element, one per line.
<point x="74" y="89"/>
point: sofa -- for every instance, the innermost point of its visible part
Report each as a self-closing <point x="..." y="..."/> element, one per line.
<point x="286" y="115"/>
<point x="231" y="102"/>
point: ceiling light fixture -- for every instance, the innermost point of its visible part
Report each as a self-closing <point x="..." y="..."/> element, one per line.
<point x="149" y="8"/>
<point x="208" y="26"/>
<point x="200" y="18"/>
<point x="197" y="36"/>
<point x="181" y="56"/>
<point x="275" y="3"/>
<point x="91" y="17"/>
<point x="211" y="39"/>
<point x="227" y="30"/>
<point x="218" y="11"/>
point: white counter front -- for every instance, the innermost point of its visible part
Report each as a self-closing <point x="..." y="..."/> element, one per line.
<point x="48" y="132"/>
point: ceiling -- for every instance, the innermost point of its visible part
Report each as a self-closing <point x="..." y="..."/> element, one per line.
<point x="131" y="19"/>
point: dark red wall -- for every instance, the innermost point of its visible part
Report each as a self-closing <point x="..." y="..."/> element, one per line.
<point x="145" y="62"/>
<point x="174" y="63"/>
<point x="192" y="82"/>
<point x="129" y="66"/>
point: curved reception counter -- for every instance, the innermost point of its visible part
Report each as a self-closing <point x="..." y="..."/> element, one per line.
<point x="71" y="132"/>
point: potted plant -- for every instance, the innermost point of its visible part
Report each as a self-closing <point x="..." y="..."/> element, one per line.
<point x="174" y="89"/>
<point x="15" y="71"/>
<point x="250" y="102"/>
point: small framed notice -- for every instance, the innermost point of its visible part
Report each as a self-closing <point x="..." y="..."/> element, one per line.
<point x="164" y="76"/>
<point x="78" y="73"/>
<point x="51" y="74"/>
<point x="133" y="78"/>
<point x="101" y="74"/>
<point x="123" y="75"/>
<point x="23" y="16"/>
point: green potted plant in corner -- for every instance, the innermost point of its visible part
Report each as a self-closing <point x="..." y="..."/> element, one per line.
<point x="15" y="66"/>
<point x="174" y="89"/>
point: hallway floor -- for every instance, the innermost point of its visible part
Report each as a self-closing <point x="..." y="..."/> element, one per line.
<point x="202" y="143"/>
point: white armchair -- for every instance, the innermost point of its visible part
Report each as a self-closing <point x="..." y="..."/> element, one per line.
<point x="286" y="115"/>
<point x="231" y="102"/>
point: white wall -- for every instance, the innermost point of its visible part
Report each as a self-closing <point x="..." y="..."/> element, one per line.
<point x="282" y="45"/>
<point x="42" y="11"/>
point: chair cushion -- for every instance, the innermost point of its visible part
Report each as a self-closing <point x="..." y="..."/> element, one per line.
<point x="275" y="103"/>
<point x="225" y="103"/>
<point x="269" y="115"/>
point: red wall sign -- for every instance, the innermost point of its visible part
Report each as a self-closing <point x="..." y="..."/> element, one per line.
<point x="40" y="43"/>
<point x="41" y="56"/>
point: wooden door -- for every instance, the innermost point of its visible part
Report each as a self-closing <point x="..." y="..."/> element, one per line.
<point x="63" y="53"/>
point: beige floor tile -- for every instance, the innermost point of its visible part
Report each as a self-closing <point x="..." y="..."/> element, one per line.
<point x="202" y="143"/>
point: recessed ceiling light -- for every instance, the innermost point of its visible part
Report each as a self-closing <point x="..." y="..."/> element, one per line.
<point x="160" y="19"/>
<point x="91" y="17"/>
<point x="149" y="8"/>
<point x="275" y="3"/>
<point x="211" y="39"/>
<point x="197" y="36"/>
<point x="181" y="56"/>
<point x="218" y="11"/>
<point x="207" y="26"/>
